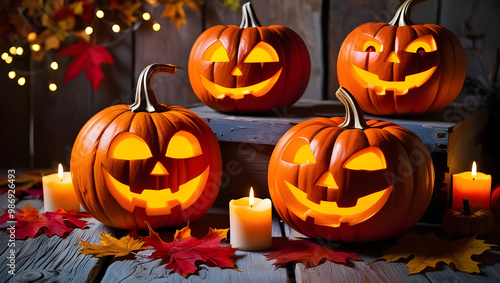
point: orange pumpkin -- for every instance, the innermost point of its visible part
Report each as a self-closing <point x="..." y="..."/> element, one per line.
<point x="249" y="68"/>
<point x="146" y="162"/>
<point x="495" y="203"/>
<point x="468" y="221"/>
<point x="350" y="180"/>
<point x="402" y="68"/>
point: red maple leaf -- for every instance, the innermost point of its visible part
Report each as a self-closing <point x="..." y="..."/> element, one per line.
<point x="307" y="251"/>
<point x="185" y="253"/>
<point x="87" y="57"/>
<point x="30" y="222"/>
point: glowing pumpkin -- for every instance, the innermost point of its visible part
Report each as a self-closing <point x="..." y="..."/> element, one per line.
<point x="147" y="162"/>
<point x="350" y="180"/>
<point x="495" y="203"/>
<point x="397" y="68"/>
<point x="249" y="68"/>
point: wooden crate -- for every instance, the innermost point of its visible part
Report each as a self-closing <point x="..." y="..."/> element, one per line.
<point x="247" y="143"/>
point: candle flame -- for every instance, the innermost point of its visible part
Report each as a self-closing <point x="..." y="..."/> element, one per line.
<point x="251" y="199"/>
<point x="60" y="172"/>
<point x="474" y="170"/>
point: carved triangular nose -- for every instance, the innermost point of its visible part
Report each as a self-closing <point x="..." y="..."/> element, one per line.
<point x="159" y="170"/>
<point x="327" y="180"/>
<point x="392" y="58"/>
<point x="236" y="72"/>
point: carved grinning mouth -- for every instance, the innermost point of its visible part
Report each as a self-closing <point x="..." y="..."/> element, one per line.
<point x="372" y="81"/>
<point x="257" y="90"/>
<point x="156" y="202"/>
<point x="328" y="213"/>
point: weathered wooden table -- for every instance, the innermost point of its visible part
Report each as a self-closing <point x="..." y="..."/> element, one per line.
<point x="57" y="259"/>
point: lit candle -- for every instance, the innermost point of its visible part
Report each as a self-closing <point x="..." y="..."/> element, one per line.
<point x="58" y="192"/>
<point x="475" y="186"/>
<point x="250" y="221"/>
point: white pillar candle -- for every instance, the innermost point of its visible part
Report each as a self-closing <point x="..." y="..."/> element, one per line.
<point x="250" y="221"/>
<point x="58" y="192"/>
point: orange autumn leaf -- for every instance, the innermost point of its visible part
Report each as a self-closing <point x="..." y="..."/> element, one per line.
<point x="309" y="252"/>
<point x="175" y="12"/>
<point x="428" y="250"/>
<point x="112" y="246"/>
<point x="185" y="253"/>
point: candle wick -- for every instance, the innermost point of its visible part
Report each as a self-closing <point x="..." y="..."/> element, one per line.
<point x="251" y="205"/>
<point x="473" y="179"/>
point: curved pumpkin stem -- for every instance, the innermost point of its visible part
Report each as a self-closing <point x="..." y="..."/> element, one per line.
<point x="145" y="100"/>
<point x="353" y="115"/>
<point x="248" y="17"/>
<point x="402" y="16"/>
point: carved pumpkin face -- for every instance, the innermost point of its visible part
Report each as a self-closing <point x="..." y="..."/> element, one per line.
<point x="344" y="182"/>
<point x="249" y="68"/>
<point x="146" y="163"/>
<point x="401" y="69"/>
<point x="162" y="180"/>
<point x="260" y="54"/>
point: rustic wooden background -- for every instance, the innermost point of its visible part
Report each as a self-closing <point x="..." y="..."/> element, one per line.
<point x="38" y="127"/>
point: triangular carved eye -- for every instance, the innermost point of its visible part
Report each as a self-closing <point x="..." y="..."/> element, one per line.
<point x="183" y="145"/>
<point x="299" y="152"/>
<point x="370" y="159"/>
<point x="262" y="53"/>
<point x="215" y="53"/>
<point x="128" y="146"/>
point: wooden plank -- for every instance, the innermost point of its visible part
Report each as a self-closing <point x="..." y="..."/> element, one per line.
<point x="253" y="265"/>
<point x="169" y="46"/>
<point x="54" y="259"/>
<point x="367" y="270"/>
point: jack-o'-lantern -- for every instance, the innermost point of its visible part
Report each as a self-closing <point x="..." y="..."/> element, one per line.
<point x="350" y="180"/>
<point x="249" y="68"/>
<point x="495" y="203"/>
<point x="402" y="68"/>
<point x="147" y="162"/>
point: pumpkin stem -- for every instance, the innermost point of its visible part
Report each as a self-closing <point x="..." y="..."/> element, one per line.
<point x="466" y="207"/>
<point x="402" y="16"/>
<point x="145" y="100"/>
<point x="248" y="17"/>
<point x="353" y="115"/>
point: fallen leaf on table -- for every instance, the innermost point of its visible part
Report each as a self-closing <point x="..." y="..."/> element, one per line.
<point x="185" y="253"/>
<point x="428" y="250"/>
<point x="30" y="222"/>
<point x="87" y="57"/>
<point x="307" y="251"/>
<point x="112" y="246"/>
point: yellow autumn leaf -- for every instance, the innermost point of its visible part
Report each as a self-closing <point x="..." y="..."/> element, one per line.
<point x="428" y="250"/>
<point x="111" y="246"/>
<point x="175" y="12"/>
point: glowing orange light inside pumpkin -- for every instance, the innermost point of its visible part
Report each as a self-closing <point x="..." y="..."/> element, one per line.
<point x="128" y="146"/>
<point x="365" y="42"/>
<point x="157" y="202"/>
<point x="392" y="58"/>
<point x="215" y="53"/>
<point x="327" y="180"/>
<point x="299" y="152"/>
<point x="159" y="170"/>
<point x="262" y="53"/>
<point x="370" y="159"/>
<point x="183" y="145"/>
<point x="328" y="213"/>
<point x="425" y="42"/>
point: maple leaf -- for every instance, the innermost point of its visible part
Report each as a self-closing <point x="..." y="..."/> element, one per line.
<point x="175" y="12"/>
<point x="30" y="222"/>
<point x="112" y="246"/>
<point x="185" y="253"/>
<point x="307" y="251"/>
<point x="429" y="250"/>
<point x="87" y="57"/>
